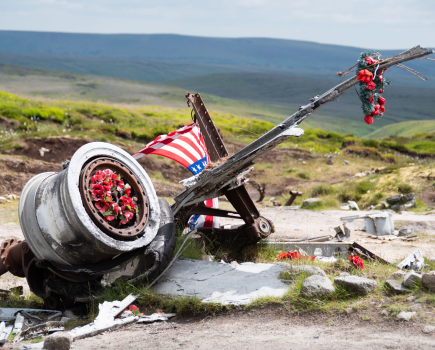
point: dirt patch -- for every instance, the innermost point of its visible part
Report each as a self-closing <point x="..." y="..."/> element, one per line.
<point x="59" y="148"/>
<point x="8" y="124"/>
<point x="369" y="152"/>
<point x="284" y="186"/>
<point x="15" y="172"/>
<point x="428" y="196"/>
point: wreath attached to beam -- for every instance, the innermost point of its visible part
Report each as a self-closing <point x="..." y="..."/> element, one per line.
<point x="371" y="85"/>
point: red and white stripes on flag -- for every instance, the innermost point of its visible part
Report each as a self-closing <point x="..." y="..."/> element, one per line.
<point x="187" y="147"/>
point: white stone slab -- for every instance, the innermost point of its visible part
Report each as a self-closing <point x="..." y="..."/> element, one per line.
<point x="222" y="283"/>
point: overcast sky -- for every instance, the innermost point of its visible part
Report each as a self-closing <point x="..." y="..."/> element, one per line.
<point x="379" y="24"/>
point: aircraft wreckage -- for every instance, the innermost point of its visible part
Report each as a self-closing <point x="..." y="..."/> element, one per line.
<point x="71" y="251"/>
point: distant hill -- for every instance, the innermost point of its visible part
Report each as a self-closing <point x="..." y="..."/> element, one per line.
<point x="403" y="103"/>
<point x="120" y="55"/>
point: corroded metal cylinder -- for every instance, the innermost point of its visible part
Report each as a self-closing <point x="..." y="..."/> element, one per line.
<point x="60" y="223"/>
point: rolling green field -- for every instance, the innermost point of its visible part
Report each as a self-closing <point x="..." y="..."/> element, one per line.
<point x="404" y="129"/>
<point x="260" y="96"/>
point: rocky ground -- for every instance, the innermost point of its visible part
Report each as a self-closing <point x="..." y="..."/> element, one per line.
<point x="264" y="329"/>
<point x="299" y="223"/>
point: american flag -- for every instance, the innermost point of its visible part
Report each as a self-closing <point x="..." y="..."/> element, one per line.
<point x="187" y="147"/>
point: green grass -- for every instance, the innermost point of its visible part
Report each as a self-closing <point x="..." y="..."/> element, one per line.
<point x="407" y="128"/>
<point x="43" y="118"/>
<point x="404" y="188"/>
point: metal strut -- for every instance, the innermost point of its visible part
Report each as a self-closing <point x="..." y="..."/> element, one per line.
<point x="256" y="227"/>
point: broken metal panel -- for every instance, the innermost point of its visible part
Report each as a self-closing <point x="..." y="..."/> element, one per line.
<point x="155" y="317"/>
<point x="378" y="224"/>
<point x="94" y="329"/>
<point x="217" y="282"/>
<point x="43" y="328"/>
<point x="367" y="253"/>
<point x="414" y="261"/>
<point x="244" y="158"/>
<point x="333" y="249"/>
<point x="5" y="331"/>
<point x="106" y="318"/>
<point x="10" y="314"/>
<point x="18" y="325"/>
<point x="108" y="310"/>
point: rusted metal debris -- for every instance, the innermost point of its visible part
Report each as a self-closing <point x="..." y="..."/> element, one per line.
<point x="261" y="188"/>
<point x="293" y="195"/>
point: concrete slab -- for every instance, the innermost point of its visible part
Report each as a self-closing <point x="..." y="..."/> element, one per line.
<point x="222" y="283"/>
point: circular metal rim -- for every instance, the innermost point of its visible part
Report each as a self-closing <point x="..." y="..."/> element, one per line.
<point x="266" y="224"/>
<point x="98" y="149"/>
<point x="128" y="233"/>
<point x="29" y="224"/>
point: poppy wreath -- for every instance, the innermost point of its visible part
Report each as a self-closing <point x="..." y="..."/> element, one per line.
<point x="371" y="85"/>
<point x="111" y="197"/>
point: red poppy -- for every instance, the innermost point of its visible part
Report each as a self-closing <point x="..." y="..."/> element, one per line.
<point x="128" y="216"/>
<point x="370" y="85"/>
<point x="375" y="112"/>
<point x="97" y="178"/>
<point x="102" y="206"/>
<point x="97" y="192"/>
<point x="370" y="60"/>
<point x="368" y="119"/>
<point x="119" y="184"/>
<point x="109" y="218"/>
<point x="127" y="201"/>
<point x="294" y="255"/>
<point x="127" y="191"/>
<point x="381" y="78"/>
<point x="381" y="100"/>
<point x="116" y="208"/>
<point x="281" y="256"/>
<point x="365" y="76"/>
